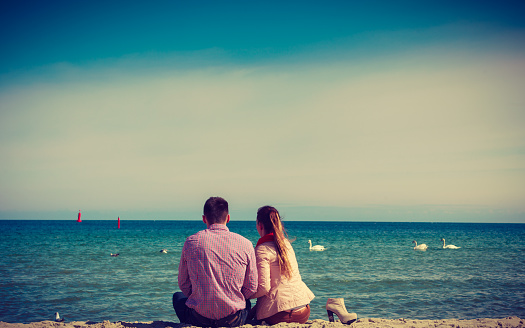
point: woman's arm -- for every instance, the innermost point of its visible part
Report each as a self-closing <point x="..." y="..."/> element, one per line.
<point x="263" y="256"/>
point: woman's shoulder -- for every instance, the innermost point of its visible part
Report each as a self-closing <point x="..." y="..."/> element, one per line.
<point x="266" y="248"/>
<point x="270" y="247"/>
<point x="266" y="245"/>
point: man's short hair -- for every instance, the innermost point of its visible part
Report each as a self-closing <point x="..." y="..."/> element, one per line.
<point x="216" y="210"/>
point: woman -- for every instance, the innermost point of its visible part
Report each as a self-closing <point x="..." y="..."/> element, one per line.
<point x="281" y="294"/>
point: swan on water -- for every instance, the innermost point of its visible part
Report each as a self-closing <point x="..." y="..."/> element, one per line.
<point x="163" y="250"/>
<point x="421" y="247"/>
<point x="317" y="248"/>
<point x="448" y="246"/>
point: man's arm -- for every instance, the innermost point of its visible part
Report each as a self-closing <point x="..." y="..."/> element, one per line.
<point x="249" y="286"/>
<point x="184" y="277"/>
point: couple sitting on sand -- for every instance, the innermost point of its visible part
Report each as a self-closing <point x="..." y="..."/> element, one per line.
<point x="219" y="272"/>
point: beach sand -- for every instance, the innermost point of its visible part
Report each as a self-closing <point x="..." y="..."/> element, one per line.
<point x="317" y="323"/>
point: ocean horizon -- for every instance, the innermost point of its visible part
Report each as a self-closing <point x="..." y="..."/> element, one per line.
<point x="374" y="213"/>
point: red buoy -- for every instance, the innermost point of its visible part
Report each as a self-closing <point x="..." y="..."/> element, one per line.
<point x="78" y="220"/>
<point x="119" y="222"/>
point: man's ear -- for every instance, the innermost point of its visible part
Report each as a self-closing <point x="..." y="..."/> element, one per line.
<point x="227" y="218"/>
<point x="204" y="219"/>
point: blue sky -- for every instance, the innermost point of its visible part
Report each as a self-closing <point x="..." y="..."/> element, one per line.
<point x="385" y="111"/>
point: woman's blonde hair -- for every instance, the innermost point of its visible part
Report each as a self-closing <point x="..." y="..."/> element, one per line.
<point x="270" y="219"/>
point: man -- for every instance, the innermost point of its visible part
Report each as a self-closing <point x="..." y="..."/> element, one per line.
<point x="217" y="273"/>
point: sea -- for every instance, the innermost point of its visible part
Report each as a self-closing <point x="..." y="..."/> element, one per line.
<point x="66" y="267"/>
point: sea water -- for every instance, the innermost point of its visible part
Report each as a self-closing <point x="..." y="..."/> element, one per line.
<point x="66" y="267"/>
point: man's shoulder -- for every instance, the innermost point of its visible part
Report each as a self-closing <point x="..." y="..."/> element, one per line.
<point x="229" y="235"/>
<point x="197" y="234"/>
<point x="196" y="237"/>
<point x="238" y="238"/>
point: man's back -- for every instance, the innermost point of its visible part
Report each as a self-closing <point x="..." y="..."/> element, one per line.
<point x="217" y="271"/>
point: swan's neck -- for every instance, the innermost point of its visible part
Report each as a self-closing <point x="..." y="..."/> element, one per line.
<point x="443" y="243"/>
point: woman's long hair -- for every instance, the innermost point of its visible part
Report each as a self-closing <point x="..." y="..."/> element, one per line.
<point x="270" y="219"/>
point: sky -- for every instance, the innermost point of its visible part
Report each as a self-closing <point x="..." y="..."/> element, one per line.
<point x="327" y="110"/>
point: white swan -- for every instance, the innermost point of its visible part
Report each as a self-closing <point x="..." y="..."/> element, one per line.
<point x="422" y="247"/>
<point x="317" y="248"/>
<point x="448" y="246"/>
<point x="163" y="250"/>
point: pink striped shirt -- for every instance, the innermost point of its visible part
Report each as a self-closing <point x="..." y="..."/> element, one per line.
<point x="217" y="272"/>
